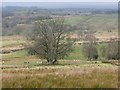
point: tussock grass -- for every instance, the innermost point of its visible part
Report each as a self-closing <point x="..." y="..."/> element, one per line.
<point x="81" y="77"/>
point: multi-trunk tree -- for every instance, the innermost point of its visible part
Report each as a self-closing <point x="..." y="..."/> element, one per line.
<point x="49" y="39"/>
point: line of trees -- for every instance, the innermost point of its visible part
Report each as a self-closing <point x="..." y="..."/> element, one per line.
<point x="109" y="51"/>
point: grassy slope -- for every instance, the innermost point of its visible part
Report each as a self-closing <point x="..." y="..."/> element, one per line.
<point x="98" y="21"/>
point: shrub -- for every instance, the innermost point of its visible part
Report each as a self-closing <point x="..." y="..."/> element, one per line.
<point x="90" y="51"/>
<point x="112" y="51"/>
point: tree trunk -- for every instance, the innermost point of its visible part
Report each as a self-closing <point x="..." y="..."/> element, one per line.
<point x="54" y="61"/>
<point x="51" y="62"/>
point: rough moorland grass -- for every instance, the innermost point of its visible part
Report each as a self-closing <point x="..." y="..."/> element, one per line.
<point x="81" y="77"/>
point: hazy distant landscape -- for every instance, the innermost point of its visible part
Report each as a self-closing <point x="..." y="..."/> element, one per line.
<point x="60" y="45"/>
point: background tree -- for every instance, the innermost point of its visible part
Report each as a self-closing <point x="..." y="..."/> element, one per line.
<point x="103" y="51"/>
<point x="90" y="48"/>
<point x="90" y="51"/>
<point x="113" y="50"/>
<point x="49" y="40"/>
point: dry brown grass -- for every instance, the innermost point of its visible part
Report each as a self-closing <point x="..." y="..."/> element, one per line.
<point x="80" y="77"/>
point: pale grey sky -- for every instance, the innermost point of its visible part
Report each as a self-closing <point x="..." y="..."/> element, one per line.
<point x="60" y="0"/>
<point x="97" y="5"/>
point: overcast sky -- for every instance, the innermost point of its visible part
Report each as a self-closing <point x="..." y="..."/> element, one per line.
<point x="60" y="0"/>
<point x="112" y="5"/>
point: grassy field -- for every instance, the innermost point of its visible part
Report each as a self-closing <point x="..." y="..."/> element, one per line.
<point x="76" y="54"/>
<point x="12" y="41"/>
<point x="69" y="76"/>
<point x="73" y="72"/>
<point x="21" y="70"/>
<point x="99" y="21"/>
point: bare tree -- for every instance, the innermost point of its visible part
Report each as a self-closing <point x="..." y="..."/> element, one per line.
<point x="113" y="50"/>
<point x="50" y="39"/>
<point x="103" y="51"/>
<point x="90" y="51"/>
<point x="90" y="48"/>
